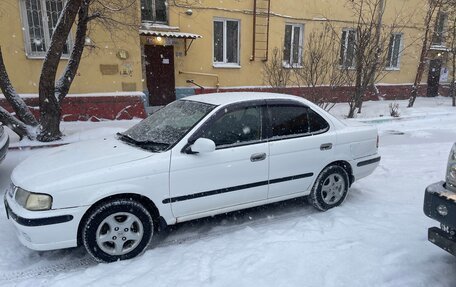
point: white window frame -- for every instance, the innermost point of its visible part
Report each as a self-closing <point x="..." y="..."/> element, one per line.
<point x="399" y="56"/>
<point x="47" y="37"/>
<point x="225" y="63"/>
<point x="154" y="14"/>
<point x="440" y="15"/>
<point x="343" y="66"/>
<point x="301" y="46"/>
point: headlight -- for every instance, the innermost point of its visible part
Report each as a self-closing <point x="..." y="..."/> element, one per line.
<point x="33" y="201"/>
<point x="451" y="170"/>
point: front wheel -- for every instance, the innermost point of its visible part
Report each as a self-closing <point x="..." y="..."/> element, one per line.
<point x="330" y="188"/>
<point x="117" y="230"/>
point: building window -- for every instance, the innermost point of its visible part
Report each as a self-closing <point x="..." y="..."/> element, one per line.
<point x="347" y="48"/>
<point x="40" y="18"/>
<point x="394" y="51"/>
<point x="292" y="53"/>
<point x="154" y="11"/>
<point x="226" y="42"/>
<point x="438" y="38"/>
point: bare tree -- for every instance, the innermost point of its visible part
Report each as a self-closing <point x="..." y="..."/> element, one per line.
<point x="432" y="9"/>
<point x="106" y="14"/>
<point x="369" y="54"/>
<point x="275" y="73"/>
<point x="320" y="68"/>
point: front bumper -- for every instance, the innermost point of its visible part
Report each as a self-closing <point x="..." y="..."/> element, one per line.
<point x="442" y="239"/>
<point x="435" y="195"/>
<point x="44" y="230"/>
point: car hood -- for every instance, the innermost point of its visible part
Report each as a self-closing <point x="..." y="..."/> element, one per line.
<point x="61" y="166"/>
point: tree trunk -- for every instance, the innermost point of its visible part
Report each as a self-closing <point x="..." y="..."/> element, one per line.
<point x="49" y="104"/>
<point x="356" y="99"/>
<point x="17" y="103"/>
<point x="64" y="83"/>
<point x="360" y="107"/>
<point x="14" y="124"/>
<point x="351" y="111"/>
<point x="359" y="90"/>
<point x="453" y="92"/>
<point x="50" y="122"/>
<point x="423" y="55"/>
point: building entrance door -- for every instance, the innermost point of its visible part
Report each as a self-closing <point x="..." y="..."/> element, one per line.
<point x="434" y="77"/>
<point x="160" y="74"/>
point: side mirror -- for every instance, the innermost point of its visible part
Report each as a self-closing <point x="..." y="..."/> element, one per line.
<point x="203" y="145"/>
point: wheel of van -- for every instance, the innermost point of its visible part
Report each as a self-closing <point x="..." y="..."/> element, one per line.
<point x="330" y="188"/>
<point x="117" y="230"/>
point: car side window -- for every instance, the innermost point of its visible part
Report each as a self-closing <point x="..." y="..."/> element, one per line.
<point x="317" y="123"/>
<point x="288" y="120"/>
<point x="235" y="127"/>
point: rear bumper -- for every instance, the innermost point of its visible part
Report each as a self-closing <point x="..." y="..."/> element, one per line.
<point x="364" y="166"/>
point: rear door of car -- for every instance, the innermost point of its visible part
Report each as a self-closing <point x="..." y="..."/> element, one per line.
<point x="300" y="146"/>
<point x="235" y="173"/>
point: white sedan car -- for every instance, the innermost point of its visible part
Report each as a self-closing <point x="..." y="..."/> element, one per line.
<point x="197" y="157"/>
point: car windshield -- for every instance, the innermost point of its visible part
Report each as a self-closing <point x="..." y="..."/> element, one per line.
<point x="167" y="126"/>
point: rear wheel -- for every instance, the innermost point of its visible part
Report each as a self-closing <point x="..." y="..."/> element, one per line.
<point x="330" y="188"/>
<point x="117" y="230"/>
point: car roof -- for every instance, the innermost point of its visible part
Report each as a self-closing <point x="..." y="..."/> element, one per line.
<point x="222" y="99"/>
<point x="236" y="97"/>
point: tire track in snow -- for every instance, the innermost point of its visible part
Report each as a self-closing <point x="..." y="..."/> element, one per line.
<point x="237" y="221"/>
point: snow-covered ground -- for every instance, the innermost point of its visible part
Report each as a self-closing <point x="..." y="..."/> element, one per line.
<point x="378" y="237"/>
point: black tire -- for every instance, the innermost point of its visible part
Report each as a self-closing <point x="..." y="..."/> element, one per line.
<point x="320" y="198"/>
<point x="116" y="210"/>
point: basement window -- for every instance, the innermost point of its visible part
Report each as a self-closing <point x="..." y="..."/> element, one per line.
<point x="40" y="17"/>
<point x="226" y="43"/>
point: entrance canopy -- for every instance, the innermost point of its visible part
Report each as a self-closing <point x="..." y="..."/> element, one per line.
<point x="169" y="34"/>
<point x="159" y="34"/>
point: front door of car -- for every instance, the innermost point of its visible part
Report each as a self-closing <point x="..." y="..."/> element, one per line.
<point x="300" y="146"/>
<point x="235" y="173"/>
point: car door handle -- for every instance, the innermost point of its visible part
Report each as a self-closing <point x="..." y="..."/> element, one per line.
<point x="258" y="157"/>
<point x="326" y="146"/>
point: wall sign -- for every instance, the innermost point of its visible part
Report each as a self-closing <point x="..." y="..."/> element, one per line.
<point x="444" y="74"/>
<point x="123" y="55"/>
<point x="109" y="69"/>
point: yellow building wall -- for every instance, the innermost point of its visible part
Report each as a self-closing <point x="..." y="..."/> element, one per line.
<point x="407" y="13"/>
<point x="24" y="72"/>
